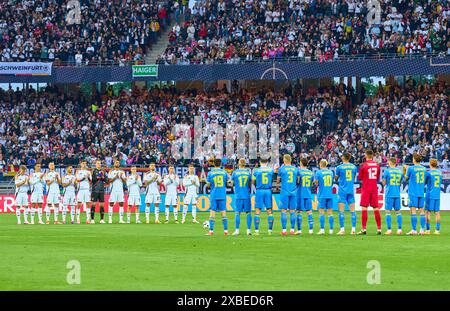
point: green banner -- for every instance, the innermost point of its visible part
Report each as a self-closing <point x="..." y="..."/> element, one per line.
<point x="145" y="70"/>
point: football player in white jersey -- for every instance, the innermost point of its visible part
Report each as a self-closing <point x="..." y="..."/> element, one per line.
<point x="134" y="184"/>
<point x="21" y="201"/>
<point x="192" y="183"/>
<point x="152" y="181"/>
<point x="69" y="198"/>
<point x="83" y="179"/>
<point x="37" y="193"/>
<point x="52" y="180"/>
<point x="116" y="178"/>
<point x="171" y="182"/>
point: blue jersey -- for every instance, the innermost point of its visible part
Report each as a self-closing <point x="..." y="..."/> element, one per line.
<point x="241" y="181"/>
<point x="218" y="178"/>
<point x="433" y="180"/>
<point x="416" y="180"/>
<point x="263" y="177"/>
<point x="306" y="181"/>
<point x="325" y="178"/>
<point x="346" y="173"/>
<point x="394" y="179"/>
<point x="288" y="175"/>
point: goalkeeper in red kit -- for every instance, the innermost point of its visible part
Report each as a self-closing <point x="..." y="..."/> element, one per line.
<point x="369" y="174"/>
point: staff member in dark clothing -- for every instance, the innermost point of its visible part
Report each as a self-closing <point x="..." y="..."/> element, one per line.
<point x="99" y="178"/>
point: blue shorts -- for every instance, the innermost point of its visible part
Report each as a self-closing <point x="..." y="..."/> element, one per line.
<point x="432" y="205"/>
<point x="263" y="199"/>
<point x="288" y="202"/>
<point x="326" y="203"/>
<point x="346" y="198"/>
<point x="218" y="205"/>
<point x="304" y="204"/>
<point x="416" y="201"/>
<point x="243" y="205"/>
<point x="392" y="204"/>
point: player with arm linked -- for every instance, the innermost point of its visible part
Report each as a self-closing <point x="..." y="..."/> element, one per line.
<point x="21" y="199"/>
<point x="241" y="179"/>
<point x="369" y="174"/>
<point x="37" y="193"/>
<point x="83" y="180"/>
<point x="415" y="176"/>
<point x="324" y="182"/>
<point x="171" y="182"/>
<point x="191" y="183"/>
<point x="262" y="179"/>
<point x="392" y="180"/>
<point x="304" y="202"/>
<point x="345" y="176"/>
<point x="288" y="176"/>
<point x="52" y="180"/>
<point x="433" y="180"/>
<point x="116" y="178"/>
<point x="152" y="181"/>
<point x="217" y="181"/>
<point x="134" y="185"/>
<point x="69" y="197"/>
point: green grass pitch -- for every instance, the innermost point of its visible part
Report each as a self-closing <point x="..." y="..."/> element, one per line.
<point x="181" y="257"/>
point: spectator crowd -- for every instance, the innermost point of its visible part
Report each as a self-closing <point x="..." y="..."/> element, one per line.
<point x="233" y="31"/>
<point x="113" y="31"/>
<point x="136" y="126"/>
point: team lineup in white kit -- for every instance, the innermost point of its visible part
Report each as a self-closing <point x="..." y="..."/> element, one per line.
<point x="77" y="194"/>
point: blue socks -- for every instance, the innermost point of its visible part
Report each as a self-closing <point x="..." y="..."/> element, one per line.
<point x="249" y="221"/>
<point x="293" y="218"/>
<point x="225" y="223"/>
<point x="237" y="220"/>
<point x="414" y="221"/>
<point x="299" y="221"/>
<point x="257" y="218"/>
<point x="388" y="221"/>
<point x="399" y="220"/>
<point x="270" y="219"/>
<point x="422" y="221"/>
<point x="353" y="219"/>
<point x="211" y="224"/>
<point x="283" y="220"/>
<point x="310" y="221"/>
<point x="341" y="220"/>
<point x="322" y="221"/>
<point x="438" y="226"/>
<point x="331" y="221"/>
<point x="428" y="226"/>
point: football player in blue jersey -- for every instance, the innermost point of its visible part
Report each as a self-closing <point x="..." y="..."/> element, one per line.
<point x="304" y="197"/>
<point x="241" y="179"/>
<point x="288" y="175"/>
<point x="217" y="180"/>
<point x="392" y="180"/>
<point x="324" y="181"/>
<point x="433" y="180"/>
<point x="262" y="178"/>
<point x="415" y="176"/>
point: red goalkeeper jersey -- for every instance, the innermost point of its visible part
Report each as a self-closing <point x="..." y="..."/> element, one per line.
<point x="369" y="174"/>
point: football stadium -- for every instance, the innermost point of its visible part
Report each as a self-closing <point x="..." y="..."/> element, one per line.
<point x="224" y="145"/>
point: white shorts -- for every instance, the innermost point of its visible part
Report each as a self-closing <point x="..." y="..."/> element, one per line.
<point x="53" y="198"/>
<point x="134" y="200"/>
<point x="21" y="199"/>
<point x="115" y="197"/>
<point x="152" y="198"/>
<point x="69" y="199"/>
<point x="171" y="200"/>
<point x="37" y="197"/>
<point x="190" y="199"/>
<point x="84" y="196"/>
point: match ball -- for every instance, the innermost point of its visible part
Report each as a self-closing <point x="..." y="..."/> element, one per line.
<point x="206" y="224"/>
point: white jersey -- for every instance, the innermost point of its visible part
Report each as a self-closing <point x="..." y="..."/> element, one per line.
<point x="83" y="177"/>
<point x="191" y="183"/>
<point x="153" y="186"/>
<point x="53" y="187"/>
<point x="18" y="180"/>
<point x="134" y="185"/>
<point x="171" y="181"/>
<point x="117" y="185"/>
<point x="70" y="189"/>
<point x="37" y="185"/>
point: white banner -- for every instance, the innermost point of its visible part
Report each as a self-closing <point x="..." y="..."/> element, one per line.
<point x="26" y="68"/>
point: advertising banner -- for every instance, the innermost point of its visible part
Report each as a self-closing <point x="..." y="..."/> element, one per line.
<point x="26" y="68"/>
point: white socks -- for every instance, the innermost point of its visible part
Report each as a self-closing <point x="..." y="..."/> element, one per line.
<point x="18" y="214"/>
<point x="147" y="213"/>
<point x="185" y="210"/>
<point x="194" y="212"/>
<point x="167" y="213"/>
<point x="156" y="212"/>
<point x="121" y="213"/>
<point x="175" y="213"/>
